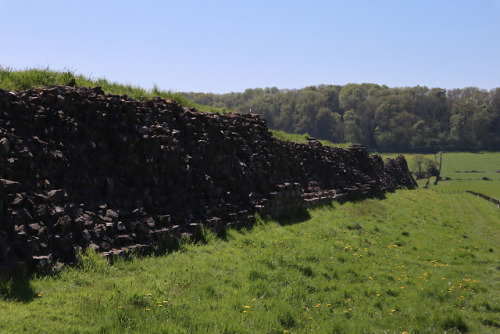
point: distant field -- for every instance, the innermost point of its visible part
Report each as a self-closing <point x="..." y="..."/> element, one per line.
<point x="471" y="166"/>
<point x="490" y="188"/>
<point x="470" y="171"/>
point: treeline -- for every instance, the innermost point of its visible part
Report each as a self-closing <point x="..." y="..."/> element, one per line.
<point x="407" y="119"/>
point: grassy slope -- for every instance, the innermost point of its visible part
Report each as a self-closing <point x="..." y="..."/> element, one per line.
<point x="416" y="262"/>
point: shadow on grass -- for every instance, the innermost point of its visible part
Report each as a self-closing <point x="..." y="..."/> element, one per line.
<point x="17" y="288"/>
<point x="359" y="199"/>
<point x="289" y="219"/>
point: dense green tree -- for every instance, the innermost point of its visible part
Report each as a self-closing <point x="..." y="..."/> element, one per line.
<point x="410" y="118"/>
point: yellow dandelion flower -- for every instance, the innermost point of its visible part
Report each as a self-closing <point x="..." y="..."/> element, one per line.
<point x="310" y="318"/>
<point x="147" y="309"/>
<point x="246" y="306"/>
<point x="393" y="310"/>
<point x="328" y="304"/>
<point x="120" y="306"/>
<point x="318" y="305"/>
<point x="39" y="295"/>
<point x="244" y="311"/>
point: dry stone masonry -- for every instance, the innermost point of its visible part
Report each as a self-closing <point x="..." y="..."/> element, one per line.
<point x="82" y="169"/>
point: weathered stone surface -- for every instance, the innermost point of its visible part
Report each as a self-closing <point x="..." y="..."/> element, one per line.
<point x="80" y="169"/>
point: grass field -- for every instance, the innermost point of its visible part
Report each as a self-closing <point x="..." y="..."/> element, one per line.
<point x="471" y="166"/>
<point x="416" y="262"/>
<point x="470" y="171"/>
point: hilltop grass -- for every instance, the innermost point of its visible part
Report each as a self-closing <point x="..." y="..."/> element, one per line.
<point x="416" y="262"/>
<point x="33" y="78"/>
<point x="302" y="138"/>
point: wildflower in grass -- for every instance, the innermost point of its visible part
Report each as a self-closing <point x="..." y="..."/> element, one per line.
<point x="318" y="305"/>
<point x="39" y="295"/>
<point x="246" y="306"/>
<point x="120" y="306"/>
<point x="244" y="311"/>
<point x="328" y="304"/>
<point x="147" y="309"/>
<point x="310" y="318"/>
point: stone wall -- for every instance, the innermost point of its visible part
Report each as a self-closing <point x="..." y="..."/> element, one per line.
<point x="82" y="169"/>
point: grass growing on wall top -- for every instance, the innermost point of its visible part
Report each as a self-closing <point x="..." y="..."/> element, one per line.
<point x="299" y="138"/>
<point x="32" y="78"/>
<point x="416" y="262"/>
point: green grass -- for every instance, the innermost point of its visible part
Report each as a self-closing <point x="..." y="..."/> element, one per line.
<point x="471" y="166"/>
<point x="470" y="171"/>
<point x="418" y="262"/>
<point x="298" y="138"/>
<point x="490" y="188"/>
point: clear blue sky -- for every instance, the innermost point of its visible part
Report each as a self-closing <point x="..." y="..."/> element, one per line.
<point x="222" y="46"/>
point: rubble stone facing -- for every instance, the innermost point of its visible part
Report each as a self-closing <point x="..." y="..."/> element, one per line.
<point x="83" y="169"/>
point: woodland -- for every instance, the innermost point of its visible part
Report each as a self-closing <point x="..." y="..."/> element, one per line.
<point x="406" y="119"/>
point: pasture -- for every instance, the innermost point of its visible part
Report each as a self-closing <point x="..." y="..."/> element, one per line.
<point x="479" y="172"/>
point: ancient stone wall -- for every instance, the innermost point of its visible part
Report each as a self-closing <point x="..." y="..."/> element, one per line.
<point x="82" y="169"/>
